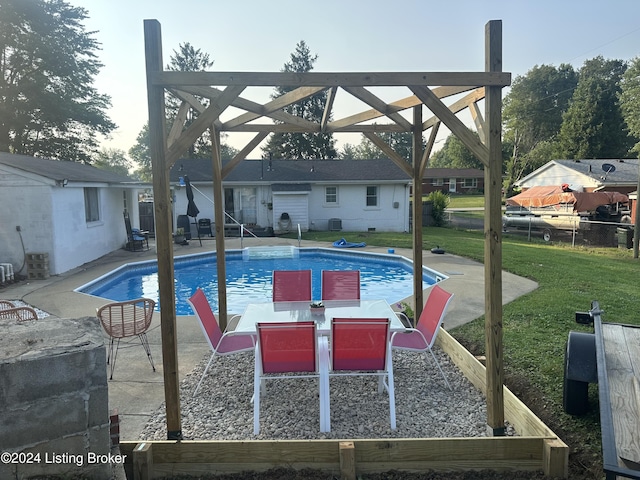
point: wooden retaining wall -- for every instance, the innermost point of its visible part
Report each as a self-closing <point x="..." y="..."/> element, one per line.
<point x="535" y="448"/>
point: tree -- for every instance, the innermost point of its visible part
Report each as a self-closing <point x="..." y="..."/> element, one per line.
<point x="630" y="100"/>
<point x="48" y="105"/>
<point x="113" y="160"/>
<point x="401" y="143"/>
<point x="186" y="58"/>
<point x="532" y="116"/>
<point x="302" y="145"/>
<point x="454" y="154"/>
<point x="189" y="59"/>
<point x="140" y="153"/>
<point x="593" y="126"/>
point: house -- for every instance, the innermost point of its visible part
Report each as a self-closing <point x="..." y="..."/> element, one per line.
<point x="612" y="175"/>
<point x="279" y="195"/>
<point x="452" y="180"/>
<point x="70" y="212"/>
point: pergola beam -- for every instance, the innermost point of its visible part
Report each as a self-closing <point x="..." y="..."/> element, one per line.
<point x="169" y="79"/>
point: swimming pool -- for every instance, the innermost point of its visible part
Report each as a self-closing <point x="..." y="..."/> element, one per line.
<point x="249" y="274"/>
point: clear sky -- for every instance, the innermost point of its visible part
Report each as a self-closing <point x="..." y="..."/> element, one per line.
<point x="349" y="36"/>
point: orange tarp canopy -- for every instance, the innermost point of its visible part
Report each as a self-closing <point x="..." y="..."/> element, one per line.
<point x="545" y="196"/>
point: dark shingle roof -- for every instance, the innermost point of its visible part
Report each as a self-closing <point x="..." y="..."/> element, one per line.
<point x="60" y="169"/>
<point x="297" y="171"/>
<point x="624" y="172"/>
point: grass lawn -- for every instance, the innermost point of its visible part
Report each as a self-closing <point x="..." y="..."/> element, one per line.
<point x="536" y="325"/>
<point x="466" y="201"/>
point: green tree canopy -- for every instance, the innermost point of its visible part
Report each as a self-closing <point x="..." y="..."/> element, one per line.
<point x="630" y="100"/>
<point x="185" y="59"/>
<point x="593" y="126"/>
<point x="532" y="116"/>
<point x="113" y="160"/>
<point x="301" y="145"/>
<point x="534" y="107"/>
<point x="454" y="154"/>
<point x="401" y="143"/>
<point x="48" y="105"/>
<point x="190" y="59"/>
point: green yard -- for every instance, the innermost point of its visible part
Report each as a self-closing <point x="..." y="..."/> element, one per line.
<point x="536" y="326"/>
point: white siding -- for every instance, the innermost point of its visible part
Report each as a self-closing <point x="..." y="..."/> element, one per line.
<point x="52" y="221"/>
<point x="296" y="205"/>
<point x="310" y="210"/>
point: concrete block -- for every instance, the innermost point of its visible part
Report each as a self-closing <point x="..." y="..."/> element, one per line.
<point x="54" y="393"/>
<point x="45" y="419"/>
<point x="98" y="407"/>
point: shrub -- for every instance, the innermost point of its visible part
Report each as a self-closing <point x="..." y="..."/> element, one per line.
<point x="440" y="202"/>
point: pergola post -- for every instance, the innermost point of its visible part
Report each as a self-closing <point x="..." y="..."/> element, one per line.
<point x="493" y="234"/>
<point x="164" y="244"/>
<point x="218" y="211"/>
<point x="417" y="212"/>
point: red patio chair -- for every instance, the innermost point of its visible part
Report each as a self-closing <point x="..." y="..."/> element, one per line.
<point x="220" y="344"/>
<point x="360" y="346"/>
<point x="340" y="285"/>
<point x="291" y="285"/>
<point x="422" y="338"/>
<point x="288" y="350"/>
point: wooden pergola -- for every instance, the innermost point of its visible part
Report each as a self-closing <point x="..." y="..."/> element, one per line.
<point x="427" y="110"/>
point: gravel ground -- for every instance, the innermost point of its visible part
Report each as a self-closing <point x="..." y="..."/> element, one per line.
<point x="425" y="407"/>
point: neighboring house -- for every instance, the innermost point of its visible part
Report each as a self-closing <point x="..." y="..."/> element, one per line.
<point x="452" y="180"/>
<point x="352" y="195"/>
<point x="612" y="175"/>
<point x="70" y="211"/>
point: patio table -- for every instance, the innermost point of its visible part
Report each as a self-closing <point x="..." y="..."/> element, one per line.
<point x="302" y="311"/>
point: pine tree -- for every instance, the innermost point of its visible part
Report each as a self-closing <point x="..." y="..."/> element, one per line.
<point x="302" y="145"/>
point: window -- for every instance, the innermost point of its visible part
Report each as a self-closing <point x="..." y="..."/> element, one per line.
<point x="331" y="195"/>
<point x="438" y="182"/>
<point x="91" y="205"/>
<point x="470" y="183"/>
<point x="372" y="196"/>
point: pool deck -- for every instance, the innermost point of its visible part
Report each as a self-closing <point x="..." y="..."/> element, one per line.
<point x="136" y="392"/>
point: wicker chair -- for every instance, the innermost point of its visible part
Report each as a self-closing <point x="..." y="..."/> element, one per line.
<point x="127" y="319"/>
<point x="9" y="311"/>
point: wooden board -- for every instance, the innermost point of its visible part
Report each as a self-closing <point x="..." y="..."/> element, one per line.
<point x="622" y="354"/>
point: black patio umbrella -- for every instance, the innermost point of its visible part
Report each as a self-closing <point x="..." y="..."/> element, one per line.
<point x="192" y="209"/>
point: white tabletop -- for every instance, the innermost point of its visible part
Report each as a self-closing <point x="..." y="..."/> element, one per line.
<point x="302" y="311"/>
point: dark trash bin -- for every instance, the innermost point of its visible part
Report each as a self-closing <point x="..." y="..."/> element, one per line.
<point x="183" y="222"/>
<point x="625" y="237"/>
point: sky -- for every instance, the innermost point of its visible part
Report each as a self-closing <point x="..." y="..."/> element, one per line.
<point x="348" y="36"/>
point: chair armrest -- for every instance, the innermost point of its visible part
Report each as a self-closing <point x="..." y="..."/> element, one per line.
<point x="404" y="319"/>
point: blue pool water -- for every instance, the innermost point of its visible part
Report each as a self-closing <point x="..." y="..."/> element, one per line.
<point x="249" y="280"/>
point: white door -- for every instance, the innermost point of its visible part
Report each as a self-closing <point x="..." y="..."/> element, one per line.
<point x="452" y="185"/>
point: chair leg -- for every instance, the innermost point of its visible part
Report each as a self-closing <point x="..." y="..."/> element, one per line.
<point x="213" y="355"/>
<point x="111" y="356"/>
<point x="325" y="404"/>
<point x="256" y="393"/>
<point x="391" y="389"/>
<point x="145" y="345"/>
<point x="440" y="368"/>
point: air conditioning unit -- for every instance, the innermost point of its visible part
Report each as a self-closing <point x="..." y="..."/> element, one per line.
<point x="335" y="224"/>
